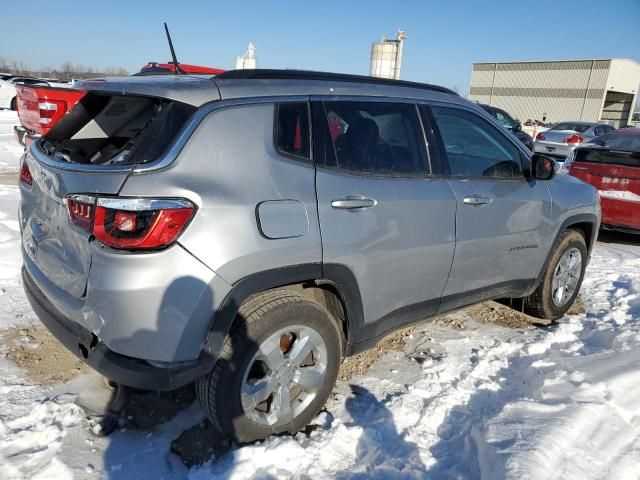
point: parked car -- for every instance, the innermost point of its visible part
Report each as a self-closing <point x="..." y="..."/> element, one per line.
<point x="40" y="108"/>
<point x="246" y="231"/>
<point x="8" y="93"/>
<point x="611" y="163"/>
<point x="561" y="139"/>
<point x="509" y="123"/>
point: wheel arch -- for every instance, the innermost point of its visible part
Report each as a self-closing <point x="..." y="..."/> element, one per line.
<point x="334" y="286"/>
<point x="585" y="223"/>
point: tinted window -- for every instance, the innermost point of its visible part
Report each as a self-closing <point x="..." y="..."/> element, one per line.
<point x="29" y="81"/>
<point x="292" y="128"/>
<point x="374" y="137"/>
<point x="473" y="147"/>
<point x="615" y="157"/>
<point x="620" y="141"/>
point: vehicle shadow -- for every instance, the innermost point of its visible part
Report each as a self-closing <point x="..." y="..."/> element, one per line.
<point x="382" y="452"/>
<point x="613" y="236"/>
<point x="159" y="432"/>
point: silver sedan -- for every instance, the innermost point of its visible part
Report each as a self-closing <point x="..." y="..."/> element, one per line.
<point x="562" y="139"/>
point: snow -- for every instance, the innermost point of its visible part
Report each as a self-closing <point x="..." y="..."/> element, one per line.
<point x="10" y="149"/>
<point x="485" y="401"/>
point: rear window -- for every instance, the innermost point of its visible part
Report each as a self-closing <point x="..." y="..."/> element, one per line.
<point x="292" y="128"/>
<point x="116" y="130"/>
<point x="627" y="142"/>
<point x="575" y="127"/>
<point x="610" y="157"/>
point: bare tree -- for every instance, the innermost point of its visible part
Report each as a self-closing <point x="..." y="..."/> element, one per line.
<point x="66" y="71"/>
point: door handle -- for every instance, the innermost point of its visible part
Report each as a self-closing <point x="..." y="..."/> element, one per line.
<point x="352" y="203"/>
<point x="477" y="200"/>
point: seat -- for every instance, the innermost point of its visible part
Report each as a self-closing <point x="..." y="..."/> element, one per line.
<point x="361" y="142"/>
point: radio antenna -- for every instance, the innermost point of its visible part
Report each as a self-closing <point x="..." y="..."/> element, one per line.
<point x="179" y="71"/>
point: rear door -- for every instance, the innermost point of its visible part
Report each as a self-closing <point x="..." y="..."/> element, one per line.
<point x="382" y="214"/>
<point x="502" y="220"/>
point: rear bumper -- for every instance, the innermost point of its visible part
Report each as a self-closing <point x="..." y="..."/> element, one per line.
<point x="620" y="214"/>
<point x="119" y="368"/>
<point x="555" y="150"/>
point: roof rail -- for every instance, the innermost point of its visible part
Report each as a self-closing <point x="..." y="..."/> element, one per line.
<point x="273" y="74"/>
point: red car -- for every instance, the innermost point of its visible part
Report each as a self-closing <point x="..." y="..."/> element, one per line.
<point x="611" y="163"/>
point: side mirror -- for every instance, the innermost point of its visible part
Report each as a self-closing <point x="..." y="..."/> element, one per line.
<point x="517" y="127"/>
<point x="542" y="167"/>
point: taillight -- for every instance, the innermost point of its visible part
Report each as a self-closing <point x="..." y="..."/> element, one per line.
<point x="25" y="174"/>
<point x="131" y="223"/>
<point x="575" y="138"/>
<point x="540" y="136"/>
<point x="50" y="111"/>
<point x="81" y="210"/>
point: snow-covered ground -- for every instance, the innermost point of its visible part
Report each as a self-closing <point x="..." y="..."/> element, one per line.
<point x="481" y="402"/>
<point x="10" y="149"/>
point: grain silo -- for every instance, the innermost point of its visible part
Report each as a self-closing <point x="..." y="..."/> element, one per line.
<point x="248" y="60"/>
<point x="386" y="57"/>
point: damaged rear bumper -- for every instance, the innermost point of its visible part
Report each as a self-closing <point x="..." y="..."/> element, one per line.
<point x="119" y="368"/>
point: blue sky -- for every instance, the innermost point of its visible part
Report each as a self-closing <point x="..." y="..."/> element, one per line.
<point x="444" y="37"/>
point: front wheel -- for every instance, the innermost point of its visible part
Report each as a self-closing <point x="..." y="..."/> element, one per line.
<point x="561" y="280"/>
<point x="14" y="104"/>
<point x="276" y="369"/>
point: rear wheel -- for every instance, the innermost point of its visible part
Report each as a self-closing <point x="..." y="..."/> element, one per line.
<point x="14" y="103"/>
<point x="561" y="280"/>
<point x="276" y="370"/>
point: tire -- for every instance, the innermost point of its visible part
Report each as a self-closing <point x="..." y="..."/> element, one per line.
<point x="542" y="303"/>
<point x="14" y="104"/>
<point x="261" y="318"/>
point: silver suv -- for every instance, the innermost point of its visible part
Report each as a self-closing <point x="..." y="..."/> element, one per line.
<point x="247" y="231"/>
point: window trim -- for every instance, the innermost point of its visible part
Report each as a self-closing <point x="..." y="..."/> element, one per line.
<point x="524" y="157"/>
<point x="279" y="151"/>
<point x="421" y="138"/>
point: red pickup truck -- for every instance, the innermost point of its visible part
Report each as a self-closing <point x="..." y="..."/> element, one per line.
<point x="39" y="108"/>
<point x="155" y="68"/>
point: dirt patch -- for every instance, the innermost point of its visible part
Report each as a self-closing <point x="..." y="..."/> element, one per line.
<point x="42" y="357"/>
<point x="145" y="410"/>
<point x="359" y="364"/>
<point x="578" y="307"/>
<point x="200" y="443"/>
<point x="493" y="312"/>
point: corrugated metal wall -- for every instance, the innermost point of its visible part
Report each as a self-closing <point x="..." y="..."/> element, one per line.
<point x="566" y="90"/>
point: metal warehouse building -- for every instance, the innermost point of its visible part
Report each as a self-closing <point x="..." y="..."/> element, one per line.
<point x="590" y="90"/>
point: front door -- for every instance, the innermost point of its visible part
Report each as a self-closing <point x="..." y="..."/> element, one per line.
<point x="382" y="215"/>
<point x="503" y="218"/>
